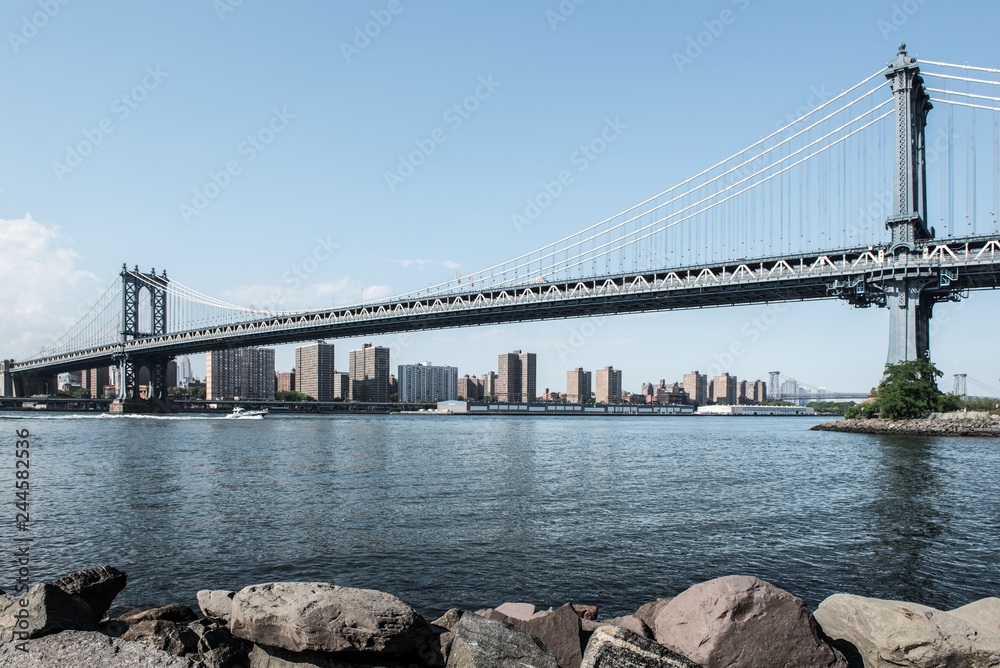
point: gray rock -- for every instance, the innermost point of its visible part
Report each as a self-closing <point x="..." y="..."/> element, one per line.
<point x="984" y="613"/>
<point x="489" y="643"/>
<point x="49" y="610"/>
<point x="517" y="610"/>
<point x="168" y="613"/>
<point x="97" y="587"/>
<point x="88" y="649"/>
<point x="559" y="631"/>
<point x="224" y="657"/>
<point x="275" y="657"/>
<point x="633" y="624"/>
<point x="617" y="647"/>
<point x="300" y="616"/>
<point x="894" y="633"/>
<point x="170" y="637"/>
<point x="746" y="622"/>
<point x="113" y="627"/>
<point x="216" y="604"/>
<point x="648" y="612"/>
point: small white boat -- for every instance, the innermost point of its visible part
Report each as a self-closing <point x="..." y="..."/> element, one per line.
<point x="246" y="413"/>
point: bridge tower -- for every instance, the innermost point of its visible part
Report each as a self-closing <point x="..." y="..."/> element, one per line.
<point x="133" y="283"/>
<point x="909" y="296"/>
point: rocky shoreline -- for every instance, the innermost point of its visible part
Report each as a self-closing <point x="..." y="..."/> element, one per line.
<point x="731" y="622"/>
<point x="979" y="426"/>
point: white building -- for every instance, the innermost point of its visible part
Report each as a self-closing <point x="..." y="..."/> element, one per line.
<point x="424" y="382"/>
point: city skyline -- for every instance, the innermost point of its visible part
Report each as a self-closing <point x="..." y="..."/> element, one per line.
<point x="320" y="165"/>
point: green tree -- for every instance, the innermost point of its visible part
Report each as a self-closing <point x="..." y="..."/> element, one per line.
<point x="908" y="390"/>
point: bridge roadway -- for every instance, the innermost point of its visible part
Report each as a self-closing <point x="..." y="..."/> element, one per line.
<point x="969" y="264"/>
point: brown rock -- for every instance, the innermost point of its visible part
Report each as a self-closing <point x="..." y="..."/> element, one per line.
<point x="617" y="647"/>
<point x="449" y="620"/>
<point x="746" y="622"/>
<point x="588" y="612"/>
<point x="171" y="637"/>
<point x="517" y="610"/>
<point x="167" y="613"/>
<point x="648" y="612"/>
<point x="559" y="631"/>
<point x="633" y="624"/>
<point x="301" y="616"/>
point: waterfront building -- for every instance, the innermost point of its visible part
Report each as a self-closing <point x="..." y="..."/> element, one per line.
<point x="341" y="385"/>
<point x="696" y="386"/>
<point x="489" y="382"/>
<point x="246" y="373"/>
<point x="789" y="387"/>
<point x="470" y="388"/>
<point x="314" y="369"/>
<point x="516" y="377"/>
<point x="285" y="381"/>
<point x="425" y="382"/>
<point x="184" y="370"/>
<point x="724" y="389"/>
<point x="578" y="386"/>
<point x="608" y="386"/>
<point x="369" y="374"/>
<point x="760" y="392"/>
<point x="96" y="381"/>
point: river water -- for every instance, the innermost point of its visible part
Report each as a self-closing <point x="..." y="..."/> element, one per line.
<point x="474" y="511"/>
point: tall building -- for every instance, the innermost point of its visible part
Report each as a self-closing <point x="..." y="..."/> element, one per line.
<point x="489" y="382"/>
<point x="760" y="392"/>
<point x="247" y="373"/>
<point x="724" y="389"/>
<point x="314" y="369"/>
<point x="774" y="384"/>
<point x="789" y="387"/>
<point x="608" y="386"/>
<point x="742" y="394"/>
<point x="184" y="369"/>
<point x="341" y="386"/>
<point x="578" y="386"/>
<point x="425" y="382"/>
<point x="96" y="381"/>
<point x="285" y="382"/>
<point x="516" y="377"/>
<point x="470" y="388"/>
<point x="696" y="385"/>
<point x="369" y="374"/>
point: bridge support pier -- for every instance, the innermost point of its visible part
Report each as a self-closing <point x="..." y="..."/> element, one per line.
<point x="910" y="312"/>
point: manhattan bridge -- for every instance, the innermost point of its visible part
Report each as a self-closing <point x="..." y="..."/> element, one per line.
<point x="870" y="198"/>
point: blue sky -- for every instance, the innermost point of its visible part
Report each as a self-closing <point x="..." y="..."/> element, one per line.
<point x="169" y="94"/>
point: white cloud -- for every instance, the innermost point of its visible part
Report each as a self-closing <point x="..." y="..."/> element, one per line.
<point x="422" y="264"/>
<point x="43" y="292"/>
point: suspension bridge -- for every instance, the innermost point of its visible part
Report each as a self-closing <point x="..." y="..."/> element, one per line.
<point x="836" y="205"/>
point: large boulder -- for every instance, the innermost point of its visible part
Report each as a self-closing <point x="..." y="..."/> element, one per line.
<point x="517" y="610"/>
<point x="301" y="616"/>
<point x="746" y="622"/>
<point x="617" y="647"/>
<point x="49" y="610"/>
<point x="489" y="643"/>
<point x="891" y="634"/>
<point x="984" y="613"/>
<point x="90" y="649"/>
<point x="216" y="604"/>
<point x="559" y="630"/>
<point x="97" y="587"/>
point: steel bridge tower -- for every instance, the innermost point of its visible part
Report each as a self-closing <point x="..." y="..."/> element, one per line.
<point x="908" y="294"/>
<point x="133" y="282"/>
